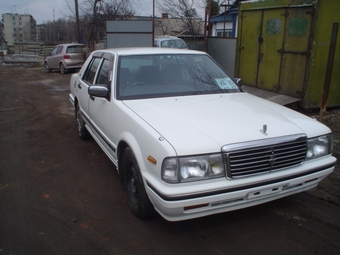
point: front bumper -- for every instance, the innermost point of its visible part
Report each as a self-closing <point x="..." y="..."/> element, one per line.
<point x="199" y="204"/>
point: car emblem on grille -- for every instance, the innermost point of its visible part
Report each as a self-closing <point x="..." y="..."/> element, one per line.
<point x="272" y="159"/>
<point x="264" y="129"/>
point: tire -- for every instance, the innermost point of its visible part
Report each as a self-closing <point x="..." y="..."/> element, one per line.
<point x="82" y="131"/>
<point x="47" y="69"/>
<point x="138" y="200"/>
<point x="62" y="68"/>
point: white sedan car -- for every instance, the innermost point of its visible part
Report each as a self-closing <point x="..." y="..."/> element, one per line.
<point x="186" y="140"/>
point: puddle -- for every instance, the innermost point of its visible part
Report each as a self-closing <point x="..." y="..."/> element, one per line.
<point x="54" y="88"/>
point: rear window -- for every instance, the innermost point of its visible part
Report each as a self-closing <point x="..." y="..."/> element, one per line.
<point x="77" y="49"/>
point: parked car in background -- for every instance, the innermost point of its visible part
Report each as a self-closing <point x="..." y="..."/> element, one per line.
<point x="170" y="42"/>
<point x="65" y="57"/>
<point x="186" y="140"/>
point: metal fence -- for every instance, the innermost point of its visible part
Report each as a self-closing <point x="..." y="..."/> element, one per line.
<point x="223" y="51"/>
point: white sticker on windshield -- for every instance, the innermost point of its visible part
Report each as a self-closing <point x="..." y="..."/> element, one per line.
<point x="225" y="83"/>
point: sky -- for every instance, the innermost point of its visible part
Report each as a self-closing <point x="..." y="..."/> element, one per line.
<point x="48" y="10"/>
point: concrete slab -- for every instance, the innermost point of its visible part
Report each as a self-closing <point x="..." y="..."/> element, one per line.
<point x="270" y="96"/>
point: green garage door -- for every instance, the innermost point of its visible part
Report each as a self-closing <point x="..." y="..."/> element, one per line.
<point x="274" y="47"/>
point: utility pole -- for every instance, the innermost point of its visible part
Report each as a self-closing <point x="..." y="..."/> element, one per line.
<point x="153" y="22"/>
<point x="94" y="23"/>
<point x="77" y="20"/>
<point x="1" y="53"/>
<point x="207" y="24"/>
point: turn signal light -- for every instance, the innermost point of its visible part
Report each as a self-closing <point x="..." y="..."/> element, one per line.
<point x="152" y="160"/>
<point x="194" y="207"/>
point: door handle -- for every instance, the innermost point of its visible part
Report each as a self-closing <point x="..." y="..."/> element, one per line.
<point x="79" y="85"/>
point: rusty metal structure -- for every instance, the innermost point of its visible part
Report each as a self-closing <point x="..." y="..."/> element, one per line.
<point x="291" y="47"/>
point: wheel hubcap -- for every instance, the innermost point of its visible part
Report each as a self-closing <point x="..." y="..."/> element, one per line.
<point x="133" y="185"/>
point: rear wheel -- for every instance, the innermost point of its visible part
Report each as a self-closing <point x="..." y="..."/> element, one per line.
<point x="62" y="68"/>
<point x="138" y="200"/>
<point x="82" y="131"/>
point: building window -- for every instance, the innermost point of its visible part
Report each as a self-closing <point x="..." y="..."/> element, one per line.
<point x="227" y="33"/>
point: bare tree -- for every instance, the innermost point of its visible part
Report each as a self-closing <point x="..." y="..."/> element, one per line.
<point x="60" y="31"/>
<point x="95" y="13"/>
<point x="183" y="9"/>
<point x="215" y="7"/>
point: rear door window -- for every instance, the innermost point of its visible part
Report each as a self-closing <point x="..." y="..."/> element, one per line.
<point x="91" y="71"/>
<point x="104" y="73"/>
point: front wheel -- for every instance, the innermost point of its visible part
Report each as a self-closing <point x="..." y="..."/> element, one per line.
<point x="47" y="69"/>
<point x="138" y="200"/>
<point x="82" y="131"/>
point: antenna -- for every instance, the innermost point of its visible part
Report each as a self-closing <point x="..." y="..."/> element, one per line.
<point x="53" y="16"/>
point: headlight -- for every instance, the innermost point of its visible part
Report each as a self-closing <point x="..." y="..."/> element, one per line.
<point x="186" y="169"/>
<point x="319" y="146"/>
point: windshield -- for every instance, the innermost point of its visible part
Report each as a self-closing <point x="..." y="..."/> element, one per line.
<point x="152" y="76"/>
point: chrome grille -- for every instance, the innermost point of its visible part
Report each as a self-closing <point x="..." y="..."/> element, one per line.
<point x="263" y="159"/>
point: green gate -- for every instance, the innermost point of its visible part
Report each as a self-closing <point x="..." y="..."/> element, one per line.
<point x="274" y="47"/>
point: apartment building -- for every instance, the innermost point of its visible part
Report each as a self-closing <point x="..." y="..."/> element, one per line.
<point x="18" y="28"/>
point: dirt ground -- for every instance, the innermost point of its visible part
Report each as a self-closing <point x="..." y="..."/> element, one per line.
<point x="62" y="195"/>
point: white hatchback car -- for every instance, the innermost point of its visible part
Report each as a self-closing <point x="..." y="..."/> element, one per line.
<point x="65" y="57"/>
<point x="186" y="140"/>
<point x="170" y="42"/>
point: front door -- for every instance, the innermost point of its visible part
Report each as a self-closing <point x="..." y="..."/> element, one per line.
<point x="100" y="108"/>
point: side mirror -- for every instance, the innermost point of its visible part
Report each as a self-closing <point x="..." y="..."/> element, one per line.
<point x="238" y="82"/>
<point x="99" y="90"/>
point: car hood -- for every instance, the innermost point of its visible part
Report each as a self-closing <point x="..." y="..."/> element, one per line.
<point x="202" y="124"/>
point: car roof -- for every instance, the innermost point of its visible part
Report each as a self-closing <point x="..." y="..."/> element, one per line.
<point x="150" y="50"/>
<point x="162" y="38"/>
<point x="70" y="44"/>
